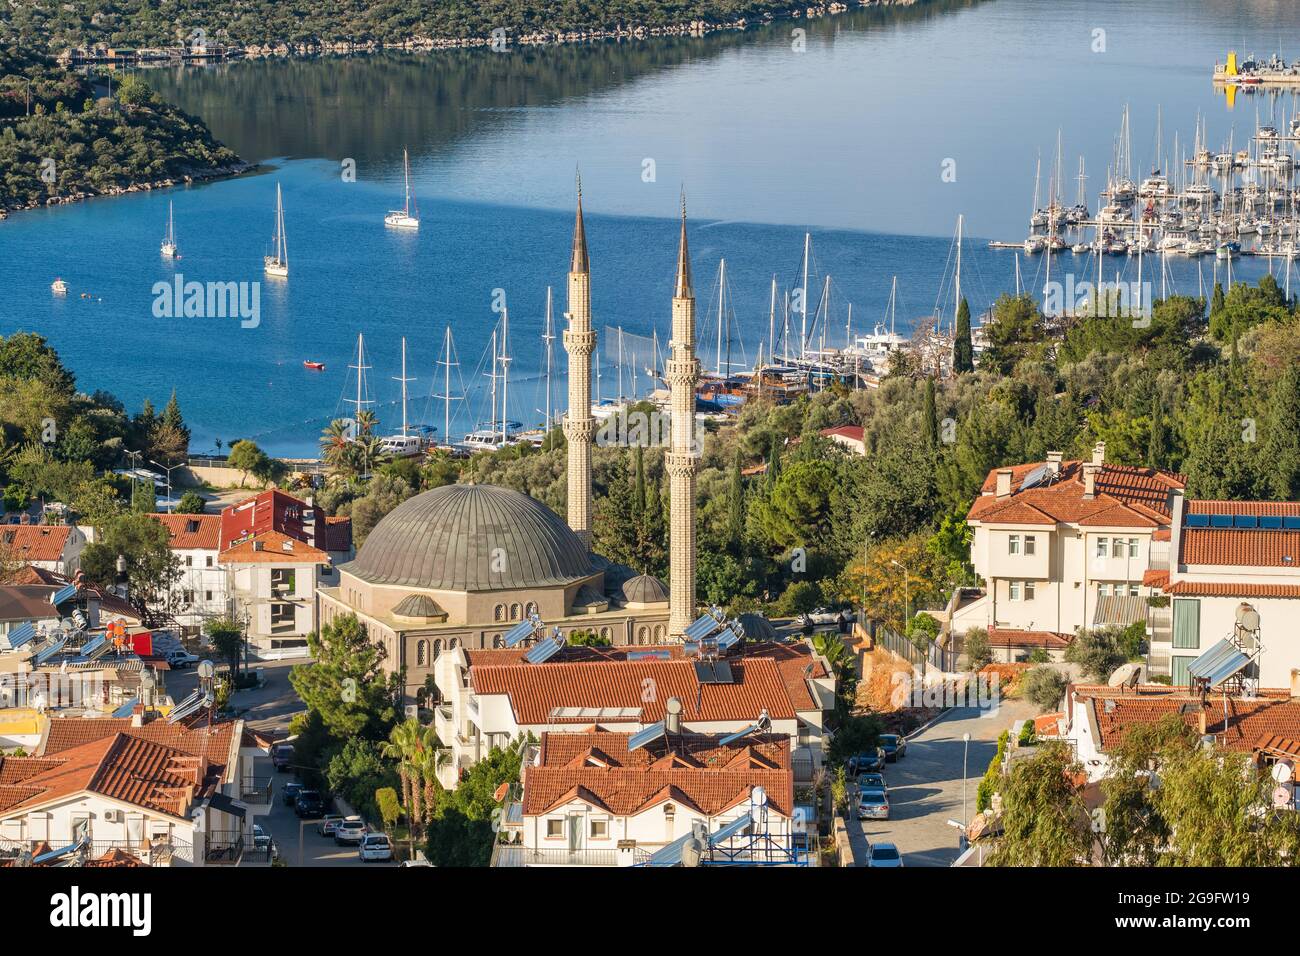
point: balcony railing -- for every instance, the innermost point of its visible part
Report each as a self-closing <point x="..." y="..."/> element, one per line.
<point x="224" y="847"/>
<point x="518" y="856"/>
<point x="161" y="852"/>
<point x="255" y="790"/>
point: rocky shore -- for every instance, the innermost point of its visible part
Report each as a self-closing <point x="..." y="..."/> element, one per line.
<point x="697" y="28"/>
<point x="191" y="176"/>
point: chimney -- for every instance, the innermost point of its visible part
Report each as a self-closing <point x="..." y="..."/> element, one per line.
<point x="1200" y="720"/>
<point x="1054" y="461"/>
<point x="1090" y="469"/>
<point x="1099" y="453"/>
<point x="1004" y="482"/>
<point x="1295" y="682"/>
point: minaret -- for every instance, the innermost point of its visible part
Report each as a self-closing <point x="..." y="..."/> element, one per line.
<point x="579" y="342"/>
<point x="682" y="460"/>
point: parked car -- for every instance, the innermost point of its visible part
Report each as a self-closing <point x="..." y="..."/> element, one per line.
<point x="282" y="757"/>
<point x="872" y="781"/>
<point x="873" y="804"/>
<point x="309" y="805"/>
<point x="329" y="823"/>
<point x="418" y="860"/>
<point x="290" y="793"/>
<point x="823" y="615"/>
<point x="867" y="763"/>
<point x="376" y="847"/>
<point x="178" y="660"/>
<point x="894" y="746"/>
<point x="262" y="840"/>
<point x="350" y="830"/>
<point x="885" y="856"/>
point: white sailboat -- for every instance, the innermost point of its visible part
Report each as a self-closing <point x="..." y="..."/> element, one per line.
<point x="278" y="264"/>
<point x="408" y="217"/>
<point x="169" y="248"/>
<point x="403" y="444"/>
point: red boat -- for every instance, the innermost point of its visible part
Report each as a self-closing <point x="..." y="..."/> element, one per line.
<point x="318" y="366"/>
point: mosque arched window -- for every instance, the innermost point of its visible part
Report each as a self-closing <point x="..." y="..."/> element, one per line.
<point x="453" y="644"/>
<point x="421" y="653"/>
<point x="531" y="609"/>
<point x="500" y="613"/>
<point x="660" y="632"/>
<point x="516" y="612"/>
<point x="496" y="640"/>
<point x="643" y="635"/>
<point x="437" y="649"/>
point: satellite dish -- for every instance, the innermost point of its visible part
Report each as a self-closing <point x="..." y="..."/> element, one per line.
<point x="1283" y="772"/>
<point x="206" y="669"/>
<point x="692" y="852"/>
<point x="758" y="797"/>
<point x="1282" y="797"/>
<point x="673" y="705"/>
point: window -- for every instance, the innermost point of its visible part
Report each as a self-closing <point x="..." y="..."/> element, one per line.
<point x="1102" y="544"/>
<point x="1117" y="548"/>
<point x="208" y="561"/>
<point x="1013" y="590"/>
<point x="1187" y="623"/>
<point x="499" y="614"/>
<point x="189" y="560"/>
<point x="1132" y="547"/>
<point x="1178" y="665"/>
<point x="599" y="829"/>
<point x="437" y="648"/>
<point x="1013" y="544"/>
<point x="1029" y="590"/>
<point x="421" y="653"/>
<point x="515" y="612"/>
<point x="531" y="609"/>
<point x="555" y="828"/>
<point x="1030" y="544"/>
<point x="207" y="595"/>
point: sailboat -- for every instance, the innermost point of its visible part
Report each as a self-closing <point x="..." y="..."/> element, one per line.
<point x="407" y="217"/>
<point x="169" y="248"/>
<point x="278" y="264"/>
<point x="403" y="444"/>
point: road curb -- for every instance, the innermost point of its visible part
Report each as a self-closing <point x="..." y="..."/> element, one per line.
<point x="929" y="723"/>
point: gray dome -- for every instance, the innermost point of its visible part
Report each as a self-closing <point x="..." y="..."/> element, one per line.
<point x="418" y="605"/>
<point x="757" y="627"/>
<point x="644" y="589"/>
<point x="445" y="540"/>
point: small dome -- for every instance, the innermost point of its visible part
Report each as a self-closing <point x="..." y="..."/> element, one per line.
<point x="418" y="605"/>
<point x="471" y="538"/>
<point x="644" y="589"/>
<point x="757" y="628"/>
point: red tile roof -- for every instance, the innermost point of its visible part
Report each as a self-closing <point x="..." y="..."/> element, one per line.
<point x="121" y="767"/>
<point x="852" y="432"/>
<point x="1155" y="579"/>
<point x="1205" y="506"/>
<point x="189" y="532"/>
<point x="66" y="733"/>
<point x="1241" y="546"/>
<point x="536" y="689"/>
<point x="1011" y="637"/>
<point x="34" y="542"/>
<point x="1126" y="497"/>
<point x="697" y="772"/>
<point x="795" y="662"/>
<point x="1231" y="589"/>
<point x="336" y="534"/>
<point x="1248" y="726"/>
<point x="272" y="547"/>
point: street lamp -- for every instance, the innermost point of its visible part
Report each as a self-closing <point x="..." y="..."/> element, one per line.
<point x="168" y="469"/>
<point x="907" y="599"/>
<point x="965" y="753"/>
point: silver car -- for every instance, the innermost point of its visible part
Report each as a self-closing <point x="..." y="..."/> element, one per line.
<point x="884" y="856"/>
<point x="873" y="804"/>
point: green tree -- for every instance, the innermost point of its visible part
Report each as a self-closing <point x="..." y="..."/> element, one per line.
<point x="345" y="683"/>
<point x="978" y="653"/>
<point x="145" y="546"/>
<point x="244" y="456"/>
<point x="1044" y="820"/>
<point x="228" y="639"/>
<point x="1045" y="686"/>
<point x="461" y="831"/>
<point x="1099" y="651"/>
<point x="963" y="354"/>
<point x="191" y="503"/>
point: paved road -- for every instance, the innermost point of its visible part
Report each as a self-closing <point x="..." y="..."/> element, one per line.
<point x="314" y="850"/>
<point x="925" y="787"/>
<point x="263" y="708"/>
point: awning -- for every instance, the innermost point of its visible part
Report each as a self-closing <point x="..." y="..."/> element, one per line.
<point x="1120" y="610"/>
<point x="219" y="801"/>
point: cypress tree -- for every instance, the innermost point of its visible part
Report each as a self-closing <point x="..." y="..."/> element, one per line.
<point x="930" y="416"/>
<point x="963" y="353"/>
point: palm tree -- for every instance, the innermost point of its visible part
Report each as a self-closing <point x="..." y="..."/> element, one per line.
<point x="337" y="447"/>
<point x="407" y="743"/>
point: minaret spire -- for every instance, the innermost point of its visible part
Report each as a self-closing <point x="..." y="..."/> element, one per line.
<point x="579" y="342"/>
<point x="682" y="460"/>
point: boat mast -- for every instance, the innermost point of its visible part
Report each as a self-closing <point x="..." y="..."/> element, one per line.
<point x="722" y="287"/>
<point x="957" y="294"/>
<point x="361" y="367"/>
<point x="505" y="367"/>
<point x="548" y="337"/>
<point x="406" y="169"/>
<point x="803" y="330"/>
<point x="446" y="364"/>
<point x="492" y="419"/>
<point x="771" y="320"/>
<point x="404" y="380"/>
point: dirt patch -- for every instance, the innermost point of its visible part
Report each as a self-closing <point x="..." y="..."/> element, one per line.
<point x="883" y="672"/>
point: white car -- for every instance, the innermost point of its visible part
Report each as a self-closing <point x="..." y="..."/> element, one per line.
<point x="350" y="830"/>
<point x="179" y="659"/>
<point x="375" y="846"/>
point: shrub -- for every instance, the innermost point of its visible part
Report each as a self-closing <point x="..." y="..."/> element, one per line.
<point x="1045" y="686"/>
<point x="390" y="809"/>
<point x="978" y="653"/>
<point x="989" y="784"/>
<point x="1026" y="738"/>
<point x="1039" y="656"/>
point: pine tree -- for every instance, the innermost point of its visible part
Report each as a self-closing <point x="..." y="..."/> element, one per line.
<point x="171" y="417"/>
<point x="963" y="353"/>
<point x="638" y="488"/>
<point x="736" y="520"/>
<point x="1280" y="451"/>
<point x="1158" y="446"/>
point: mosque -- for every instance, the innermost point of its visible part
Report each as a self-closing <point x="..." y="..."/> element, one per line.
<point x="459" y="566"/>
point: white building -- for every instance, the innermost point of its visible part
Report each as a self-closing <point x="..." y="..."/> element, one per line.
<point x="201" y="592"/>
<point x="1219" y="554"/>
<point x="490" y="697"/>
<point x="599" y="798"/>
<point x="1056" y="542"/>
<point x="166" y="793"/>
<point x="51" y="547"/>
